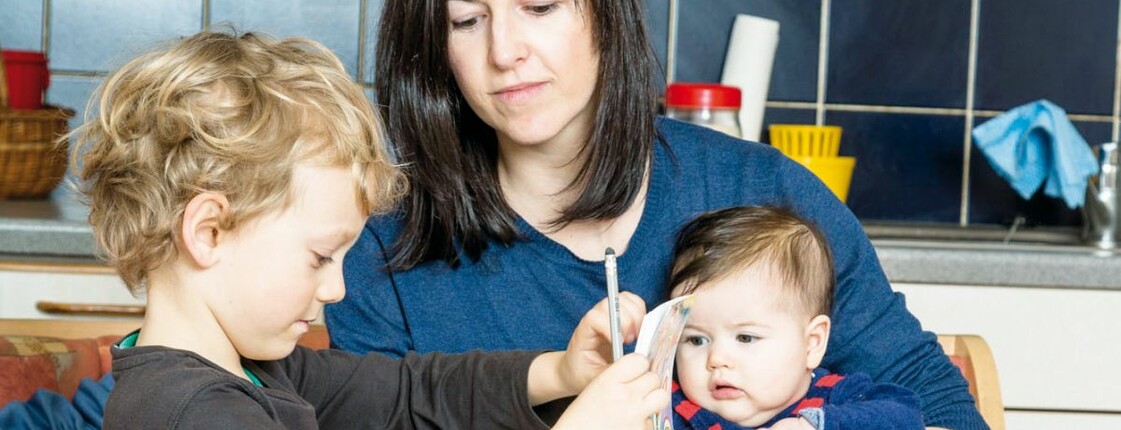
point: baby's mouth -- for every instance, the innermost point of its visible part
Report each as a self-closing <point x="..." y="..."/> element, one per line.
<point x="725" y="392"/>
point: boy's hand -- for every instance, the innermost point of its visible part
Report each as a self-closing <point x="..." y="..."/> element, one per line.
<point x="622" y="397"/>
<point x="589" y="349"/>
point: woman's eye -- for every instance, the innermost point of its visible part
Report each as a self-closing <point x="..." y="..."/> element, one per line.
<point x="745" y="338"/>
<point x="465" y="24"/>
<point x="542" y="9"/>
<point x="696" y="340"/>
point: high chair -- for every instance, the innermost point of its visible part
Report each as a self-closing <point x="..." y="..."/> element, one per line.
<point x="971" y="354"/>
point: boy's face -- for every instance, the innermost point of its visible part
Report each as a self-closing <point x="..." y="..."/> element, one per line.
<point x="742" y="354"/>
<point x="280" y="269"/>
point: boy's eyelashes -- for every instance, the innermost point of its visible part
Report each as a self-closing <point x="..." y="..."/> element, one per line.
<point x="321" y="260"/>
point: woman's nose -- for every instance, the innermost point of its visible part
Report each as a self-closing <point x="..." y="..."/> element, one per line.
<point x="508" y="46"/>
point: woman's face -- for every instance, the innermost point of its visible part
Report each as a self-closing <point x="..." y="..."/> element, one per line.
<point x="528" y="68"/>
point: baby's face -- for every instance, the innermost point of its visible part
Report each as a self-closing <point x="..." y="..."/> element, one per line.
<point x="742" y="354"/>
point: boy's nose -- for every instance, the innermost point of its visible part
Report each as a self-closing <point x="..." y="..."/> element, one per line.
<point x="333" y="288"/>
<point x="507" y="42"/>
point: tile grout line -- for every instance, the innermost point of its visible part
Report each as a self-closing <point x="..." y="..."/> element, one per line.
<point x="1117" y="81"/>
<point x="671" y="42"/>
<point x="363" y="9"/>
<point x="917" y="110"/>
<point x="822" y="62"/>
<point x="205" y="14"/>
<point x="45" y="33"/>
<point x="970" y="94"/>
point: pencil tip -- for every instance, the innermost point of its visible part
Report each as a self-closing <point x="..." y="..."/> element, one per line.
<point x="609" y="251"/>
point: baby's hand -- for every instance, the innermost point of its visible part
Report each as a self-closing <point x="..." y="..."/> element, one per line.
<point x="589" y="349"/>
<point x="792" y="424"/>
<point x="622" y="397"/>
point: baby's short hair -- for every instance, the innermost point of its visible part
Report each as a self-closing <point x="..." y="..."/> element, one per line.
<point x="224" y="113"/>
<point x="717" y="244"/>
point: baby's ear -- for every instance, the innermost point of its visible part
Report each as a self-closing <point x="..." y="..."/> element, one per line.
<point x="817" y="338"/>
<point x="201" y="226"/>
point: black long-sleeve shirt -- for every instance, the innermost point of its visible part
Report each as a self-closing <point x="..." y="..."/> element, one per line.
<point x="159" y="387"/>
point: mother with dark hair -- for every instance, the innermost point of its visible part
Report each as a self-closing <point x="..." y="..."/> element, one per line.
<point x="528" y="131"/>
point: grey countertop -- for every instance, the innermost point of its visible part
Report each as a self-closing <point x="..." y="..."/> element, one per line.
<point x="56" y="229"/>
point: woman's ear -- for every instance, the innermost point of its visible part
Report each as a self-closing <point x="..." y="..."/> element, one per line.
<point x="201" y="227"/>
<point x="817" y="338"/>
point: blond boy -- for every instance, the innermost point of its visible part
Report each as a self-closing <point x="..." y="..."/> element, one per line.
<point x="227" y="177"/>
<point x="749" y="355"/>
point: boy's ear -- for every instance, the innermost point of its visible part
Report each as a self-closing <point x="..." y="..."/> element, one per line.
<point x="817" y="338"/>
<point x="201" y="226"/>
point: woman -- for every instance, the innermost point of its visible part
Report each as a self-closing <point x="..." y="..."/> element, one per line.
<point x="529" y="135"/>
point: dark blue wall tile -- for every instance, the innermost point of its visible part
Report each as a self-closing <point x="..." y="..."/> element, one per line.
<point x="657" y="30"/>
<point x="333" y="23"/>
<point x="1064" y="51"/>
<point x="21" y="25"/>
<point x="993" y="201"/>
<point x="908" y="167"/>
<point x="899" y="53"/>
<point x="785" y="116"/>
<point x="705" y="26"/>
<point x="103" y="35"/>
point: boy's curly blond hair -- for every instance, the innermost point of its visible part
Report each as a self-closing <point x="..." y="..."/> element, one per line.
<point x="222" y="113"/>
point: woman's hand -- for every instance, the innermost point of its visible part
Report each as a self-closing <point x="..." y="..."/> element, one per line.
<point x="622" y="397"/>
<point x="589" y="349"/>
<point x="565" y="373"/>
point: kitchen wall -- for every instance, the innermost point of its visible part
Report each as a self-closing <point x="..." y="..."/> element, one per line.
<point x="906" y="79"/>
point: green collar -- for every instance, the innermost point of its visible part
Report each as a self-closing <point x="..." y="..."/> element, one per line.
<point x="130" y="341"/>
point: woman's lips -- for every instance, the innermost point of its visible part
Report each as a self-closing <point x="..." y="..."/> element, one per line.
<point x="520" y="93"/>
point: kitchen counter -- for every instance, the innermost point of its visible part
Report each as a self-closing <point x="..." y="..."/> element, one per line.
<point x="55" y="229"/>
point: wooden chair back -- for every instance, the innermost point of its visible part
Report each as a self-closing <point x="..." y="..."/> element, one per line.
<point x="972" y="355"/>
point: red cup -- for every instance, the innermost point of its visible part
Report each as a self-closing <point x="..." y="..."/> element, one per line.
<point x="27" y="76"/>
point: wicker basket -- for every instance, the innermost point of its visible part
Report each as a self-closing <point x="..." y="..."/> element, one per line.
<point x="31" y="165"/>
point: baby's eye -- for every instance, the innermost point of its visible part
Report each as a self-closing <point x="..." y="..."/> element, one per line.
<point x="745" y="338"/>
<point x="696" y="340"/>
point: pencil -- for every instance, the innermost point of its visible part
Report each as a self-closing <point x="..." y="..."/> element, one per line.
<point x="613" y="303"/>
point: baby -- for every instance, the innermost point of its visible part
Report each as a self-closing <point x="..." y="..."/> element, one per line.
<point x="749" y="355"/>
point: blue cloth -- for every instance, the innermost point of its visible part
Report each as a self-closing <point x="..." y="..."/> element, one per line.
<point x="49" y="410"/>
<point x="531" y="294"/>
<point x="833" y="403"/>
<point x="1035" y="144"/>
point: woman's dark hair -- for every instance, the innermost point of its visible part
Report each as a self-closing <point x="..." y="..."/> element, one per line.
<point x="450" y="155"/>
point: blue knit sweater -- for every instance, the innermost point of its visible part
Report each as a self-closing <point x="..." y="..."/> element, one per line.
<point x="533" y="293"/>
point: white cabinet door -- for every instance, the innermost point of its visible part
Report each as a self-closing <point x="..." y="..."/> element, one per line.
<point x="1022" y="420"/>
<point x="1055" y="349"/>
<point x="20" y="290"/>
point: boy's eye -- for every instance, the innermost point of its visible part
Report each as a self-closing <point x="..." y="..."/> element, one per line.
<point x="696" y="340"/>
<point x="745" y="338"/>
<point x="322" y="260"/>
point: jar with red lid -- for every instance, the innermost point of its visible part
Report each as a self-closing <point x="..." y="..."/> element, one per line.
<point x="711" y="105"/>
